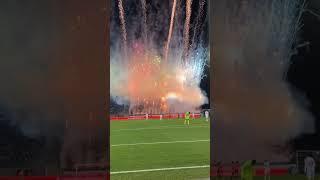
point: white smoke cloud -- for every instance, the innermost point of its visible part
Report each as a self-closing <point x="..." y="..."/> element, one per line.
<point x="254" y="105"/>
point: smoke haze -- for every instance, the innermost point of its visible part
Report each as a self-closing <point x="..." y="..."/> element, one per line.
<point x="254" y="107"/>
<point x="53" y="72"/>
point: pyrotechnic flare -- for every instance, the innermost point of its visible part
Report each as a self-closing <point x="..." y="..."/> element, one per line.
<point x="197" y="24"/>
<point x="187" y="29"/>
<point x="170" y="30"/>
<point x="145" y="27"/>
<point x="123" y="25"/>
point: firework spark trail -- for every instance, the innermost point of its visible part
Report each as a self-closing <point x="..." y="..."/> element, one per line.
<point x="197" y="25"/>
<point x="166" y="51"/>
<point x="123" y="25"/>
<point x="145" y="27"/>
<point x="187" y="29"/>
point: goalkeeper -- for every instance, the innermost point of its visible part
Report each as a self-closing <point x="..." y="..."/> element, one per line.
<point x="187" y="118"/>
<point x="247" y="170"/>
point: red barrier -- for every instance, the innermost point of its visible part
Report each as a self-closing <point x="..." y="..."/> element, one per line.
<point x="96" y="177"/>
<point x="91" y="177"/>
<point x="153" y="116"/>
<point x="119" y="118"/>
<point x="274" y="171"/>
<point x="28" y="178"/>
<point x="227" y="171"/>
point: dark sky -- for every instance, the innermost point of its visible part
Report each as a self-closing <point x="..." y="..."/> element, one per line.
<point x="304" y="72"/>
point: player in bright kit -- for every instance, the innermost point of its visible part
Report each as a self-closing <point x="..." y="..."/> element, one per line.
<point x="309" y="167"/>
<point x="266" y="170"/>
<point x="187" y="118"/>
<point x="206" y="113"/>
<point x="247" y="170"/>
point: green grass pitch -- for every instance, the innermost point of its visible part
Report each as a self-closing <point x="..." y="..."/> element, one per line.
<point x="146" y="148"/>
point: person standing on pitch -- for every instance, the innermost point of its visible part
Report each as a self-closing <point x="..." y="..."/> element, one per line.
<point x="266" y="170"/>
<point x="247" y="170"/>
<point x="309" y="167"/>
<point x="187" y="118"/>
<point x="206" y="113"/>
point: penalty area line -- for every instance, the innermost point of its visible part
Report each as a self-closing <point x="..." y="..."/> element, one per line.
<point x="160" y="169"/>
<point x="167" y="142"/>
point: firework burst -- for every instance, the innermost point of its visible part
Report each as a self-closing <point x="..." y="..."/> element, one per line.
<point x="151" y="80"/>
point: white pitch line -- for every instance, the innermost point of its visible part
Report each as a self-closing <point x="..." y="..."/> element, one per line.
<point x="160" y="169"/>
<point x="160" y="127"/>
<point x="166" y="142"/>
